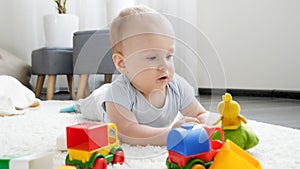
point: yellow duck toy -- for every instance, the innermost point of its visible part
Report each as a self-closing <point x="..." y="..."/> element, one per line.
<point x="231" y="123"/>
<point x="230" y="110"/>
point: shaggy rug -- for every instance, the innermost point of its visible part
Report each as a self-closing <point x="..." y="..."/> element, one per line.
<point x="37" y="130"/>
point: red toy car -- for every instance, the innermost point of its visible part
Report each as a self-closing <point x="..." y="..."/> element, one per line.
<point x="191" y="146"/>
<point x="93" y="145"/>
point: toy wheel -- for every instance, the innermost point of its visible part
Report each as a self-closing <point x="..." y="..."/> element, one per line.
<point x="68" y="161"/>
<point x="168" y="163"/>
<point x="100" y="163"/>
<point x="197" y="166"/>
<point x="171" y="165"/>
<point x="118" y="157"/>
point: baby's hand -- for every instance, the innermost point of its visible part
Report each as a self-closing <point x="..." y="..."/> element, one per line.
<point x="185" y="119"/>
<point x="202" y="117"/>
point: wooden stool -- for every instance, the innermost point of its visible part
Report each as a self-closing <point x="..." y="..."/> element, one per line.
<point x="92" y="54"/>
<point x="52" y="62"/>
<point x="83" y="86"/>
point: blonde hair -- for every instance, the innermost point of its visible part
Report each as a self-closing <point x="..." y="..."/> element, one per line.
<point x="134" y="21"/>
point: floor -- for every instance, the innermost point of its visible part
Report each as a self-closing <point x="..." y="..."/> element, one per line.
<point x="279" y="111"/>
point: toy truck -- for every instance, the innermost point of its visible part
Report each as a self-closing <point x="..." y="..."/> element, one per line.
<point x="93" y="145"/>
<point x="232" y="156"/>
<point x="191" y="146"/>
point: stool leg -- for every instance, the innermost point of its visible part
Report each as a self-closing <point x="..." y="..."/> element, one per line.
<point x="51" y="86"/>
<point x="82" y="86"/>
<point x="70" y="85"/>
<point x="39" y="85"/>
<point x="87" y="91"/>
<point x="107" y="78"/>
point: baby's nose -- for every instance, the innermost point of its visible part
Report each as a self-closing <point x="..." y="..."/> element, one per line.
<point x="163" y="65"/>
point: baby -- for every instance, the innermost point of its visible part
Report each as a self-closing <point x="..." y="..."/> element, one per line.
<point x="145" y="99"/>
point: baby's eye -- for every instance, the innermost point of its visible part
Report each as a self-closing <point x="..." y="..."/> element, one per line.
<point x="170" y="56"/>
<point x="151" y="57"/>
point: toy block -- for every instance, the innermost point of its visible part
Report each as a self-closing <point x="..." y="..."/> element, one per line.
<point x="67" y="167"/>
<point x="61" y="144"/>
<point x="31" y="161"/>
<point x="87" y="136"/>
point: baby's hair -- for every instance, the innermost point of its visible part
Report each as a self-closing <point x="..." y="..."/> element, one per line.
<point x="117" y="25"/>
<point x="136" y="10"/>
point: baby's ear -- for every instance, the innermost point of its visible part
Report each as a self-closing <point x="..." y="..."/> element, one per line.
<point x="118" y="59"/>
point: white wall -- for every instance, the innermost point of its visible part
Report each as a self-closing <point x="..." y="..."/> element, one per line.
<point x="258" y="42"/>
<point x="5" y="31"/>
<point x="22" y="30"/>
<point x="21" y="26"/>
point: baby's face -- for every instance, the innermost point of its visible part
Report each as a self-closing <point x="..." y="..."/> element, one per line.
<point x="149" y="61"/>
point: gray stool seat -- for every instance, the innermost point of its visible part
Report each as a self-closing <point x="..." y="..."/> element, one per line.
<point x="52" y="62"/>
<point x="92" y="54"/>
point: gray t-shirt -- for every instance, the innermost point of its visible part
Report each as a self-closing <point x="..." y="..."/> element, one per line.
<point x="179" y="95"/>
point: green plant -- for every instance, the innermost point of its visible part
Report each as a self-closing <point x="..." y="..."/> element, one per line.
<point x="61" y="6"/>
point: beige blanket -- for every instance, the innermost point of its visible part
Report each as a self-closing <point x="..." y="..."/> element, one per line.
<point x="15" y="67"/>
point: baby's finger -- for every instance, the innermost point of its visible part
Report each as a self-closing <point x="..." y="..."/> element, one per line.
<point x="191" y="120"/>
<point x="203" y="117"/>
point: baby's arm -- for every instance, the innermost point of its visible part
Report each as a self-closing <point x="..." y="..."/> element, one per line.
<point x="195" y="109"/>
<point x="130" y="131"/>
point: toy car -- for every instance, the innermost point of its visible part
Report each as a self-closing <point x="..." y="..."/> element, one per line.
<point x="93" y="145"/>
<point x="191" y="146"/>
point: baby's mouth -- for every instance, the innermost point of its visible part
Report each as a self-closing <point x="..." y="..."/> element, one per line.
<point x="163" y="78"/>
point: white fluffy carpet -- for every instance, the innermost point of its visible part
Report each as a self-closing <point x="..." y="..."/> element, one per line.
<point x="37" y="130"/>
